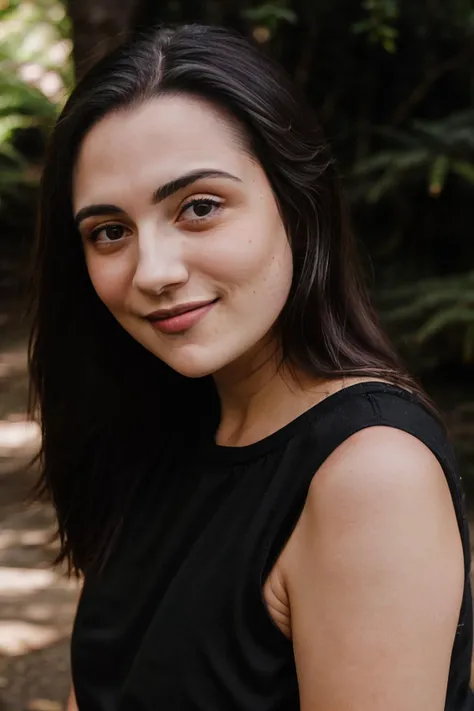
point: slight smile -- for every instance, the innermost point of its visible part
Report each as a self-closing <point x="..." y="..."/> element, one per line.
<point x="180" y="318"/>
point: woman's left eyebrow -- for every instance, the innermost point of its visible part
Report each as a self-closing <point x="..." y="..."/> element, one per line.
<point x="163" y="192"/>
<point x="173" y="186"/>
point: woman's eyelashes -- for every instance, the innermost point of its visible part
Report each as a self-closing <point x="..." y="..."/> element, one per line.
<point x="111" y="232"/>
<point x="200" y="209"/>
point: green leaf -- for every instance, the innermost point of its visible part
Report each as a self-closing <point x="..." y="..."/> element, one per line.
<point x="362" y="26"/>
<point x="389" y="45"/>
<point x="269" y="12"/>
<point x="438" y="174"/>
<point x="386" y="183"/>
<point x="387" y="32"/>
<point x="464" y="170"/>
<point x="448" y="317"/>
<point x="9" y="124"/>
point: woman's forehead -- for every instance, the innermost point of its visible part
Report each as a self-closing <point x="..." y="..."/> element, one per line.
<point x="164" y="137"/>
<point x="170" y="123"/>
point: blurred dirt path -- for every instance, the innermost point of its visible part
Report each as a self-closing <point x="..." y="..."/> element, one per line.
<point x="36" y="603"/>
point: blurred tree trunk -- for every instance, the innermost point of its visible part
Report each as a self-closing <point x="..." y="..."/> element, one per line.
<point x="98" y="26"/>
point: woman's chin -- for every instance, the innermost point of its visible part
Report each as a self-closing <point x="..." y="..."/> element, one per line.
<point x="194" y="366"/>
<point x="193" y="373"/>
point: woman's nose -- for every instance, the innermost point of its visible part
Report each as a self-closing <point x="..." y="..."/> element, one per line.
<point x="160" y="266"/>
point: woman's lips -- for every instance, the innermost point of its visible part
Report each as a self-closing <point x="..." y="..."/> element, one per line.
<point x="182" y="322"/>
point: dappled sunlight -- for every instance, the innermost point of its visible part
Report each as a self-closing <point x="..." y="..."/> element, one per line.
<point x="13" y="362"/>
<point x="20" y="581"/>
<point x="37" y="602"/>
<point x="18" y="436"/>
<point x="37" y="612"/>
<point x="44" y="705"/>
<point x="33" y="538"/>
<point x="37" y="608"/>
<point x="18" y="637"/>
<point x="41" y="55"/>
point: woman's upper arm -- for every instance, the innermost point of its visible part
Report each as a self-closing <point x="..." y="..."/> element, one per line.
<point x="72" y="704"/>
<point x="374" y="573"/>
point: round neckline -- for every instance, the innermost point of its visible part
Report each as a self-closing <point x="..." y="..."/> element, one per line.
<point x="234" y="454"/>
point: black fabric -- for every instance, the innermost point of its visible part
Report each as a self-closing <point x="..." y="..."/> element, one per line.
<point x="177" y="621"/>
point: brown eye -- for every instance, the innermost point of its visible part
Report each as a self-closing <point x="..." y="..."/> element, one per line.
<point x="202" y="209"/>
<point x="199" y="209"/>
<point x="108" y="233"/>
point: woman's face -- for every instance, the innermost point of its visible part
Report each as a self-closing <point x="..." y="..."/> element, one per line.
<point x="182" y="236"/>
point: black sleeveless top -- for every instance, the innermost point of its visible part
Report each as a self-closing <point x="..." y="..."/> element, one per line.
<point x="176" y="621"/>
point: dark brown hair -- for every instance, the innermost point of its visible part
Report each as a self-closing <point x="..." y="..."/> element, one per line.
<point x="107" y="406"/>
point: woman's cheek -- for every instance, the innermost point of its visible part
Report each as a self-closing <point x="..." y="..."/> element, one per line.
<point x="111" y="279"/>
<point x="235" y="259"/>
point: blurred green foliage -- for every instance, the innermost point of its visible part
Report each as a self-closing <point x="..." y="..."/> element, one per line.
<point x="380" y="23"/>
<point x="35" y="75"/>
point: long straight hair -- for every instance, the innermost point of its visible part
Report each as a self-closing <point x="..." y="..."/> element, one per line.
<point x="107" y="406"/>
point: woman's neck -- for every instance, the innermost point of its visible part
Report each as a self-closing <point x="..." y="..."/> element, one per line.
<point x="259" y="395"/>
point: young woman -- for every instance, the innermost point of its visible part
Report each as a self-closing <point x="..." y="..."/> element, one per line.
<point x="263" y="505"/>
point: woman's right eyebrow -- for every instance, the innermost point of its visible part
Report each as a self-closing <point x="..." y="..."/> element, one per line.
<point x="96" y="211"/>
